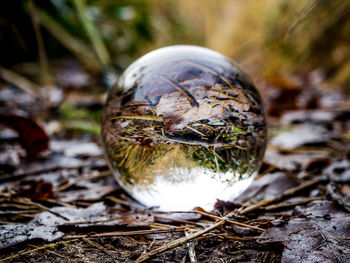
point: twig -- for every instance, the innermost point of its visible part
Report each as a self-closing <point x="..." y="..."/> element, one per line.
<point x="117" y="200"/>
<point x="31" y="202"/>
<point x="139" y="117"/>
<point x="231" y="221"/>
<point x="49" y="210"/>
<point x="83" y="177"/>
<point x="195" y="130"/>
<point x="287" y="193"/>
<point x="102" y="248"/>
<point x="17" y="206"/>
<point x="229" y="236"/>
<point x="188" y="95"/>
<point x="178" y="242"/>
<point x="54" y="253"/>
<point x="7" y="212"/>
<point x="37" y="249"/>
<point x="132" y="233"/>
<point x="291" y="203"/>
<point x="177" y="220"/>
<point x="160" y="226"/>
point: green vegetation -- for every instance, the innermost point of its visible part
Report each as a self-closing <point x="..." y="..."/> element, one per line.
<point x="80" y="119"/>
<point x="271" y="37"/>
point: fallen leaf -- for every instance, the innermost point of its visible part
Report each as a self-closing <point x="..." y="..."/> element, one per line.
<point x="292" y="161"/>
<point x="321" y="235"/>
<point x="279" y="94"/>
<point x="37" y="190"/>
<point x="268" y="186"/>
<point x="223" y="207"/>
<point x="45" y="225"/>
<point x="13" y="234"/>
<point x="55" y="161"/>
<point x="302" y="135"/>
<point x="31" y="136"/>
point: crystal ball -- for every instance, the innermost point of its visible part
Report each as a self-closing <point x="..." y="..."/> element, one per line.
<point x="184" y="127"/>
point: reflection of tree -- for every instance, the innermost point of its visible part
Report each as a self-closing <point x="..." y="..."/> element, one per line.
<point x="132" y="160"/>
<point x="239" y="162"/>
<point x="141" y="151"/>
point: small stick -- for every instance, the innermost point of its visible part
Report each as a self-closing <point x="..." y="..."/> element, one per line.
<point x="287" y="193"/>
<point x="54" y="253"/>
<point x="48" y="210"/>
<point x="178" y="242"/>
<point x="231" y="221"/>
<point x="195" y="130"/>
<point x="117" y="200"/>
<point x="187" y="94"/>
<point x="98" y="246"/>
<point x="10" y="212"/>
<point x="139" y="117"/>
<point x="229" y="236"/>
<point x="83" y="177"/>
<point x="132" y="233"/>
<point x="177" y="220"/>
<point x="291" y="204"/>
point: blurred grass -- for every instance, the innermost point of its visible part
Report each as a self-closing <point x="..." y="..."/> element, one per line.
<point x="268" y="38"/>
<point x="276" y="37"/>
<point x="272" y="40"/>
<point x="80" y="119"/>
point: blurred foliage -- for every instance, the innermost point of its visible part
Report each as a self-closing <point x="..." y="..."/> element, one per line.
<point x="80" y="119"/>
<point x="270" y="37"/>
<point x="276" y="37"/>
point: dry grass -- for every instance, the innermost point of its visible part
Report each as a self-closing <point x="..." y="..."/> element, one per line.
<point x="274" y="37"/>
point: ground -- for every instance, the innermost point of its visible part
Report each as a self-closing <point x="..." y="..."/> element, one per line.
<point x="60" y="203"/>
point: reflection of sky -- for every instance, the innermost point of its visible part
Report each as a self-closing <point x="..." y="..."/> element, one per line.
<point x="201" y="189"/>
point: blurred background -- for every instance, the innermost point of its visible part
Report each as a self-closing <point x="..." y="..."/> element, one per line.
<point x="65" y="52"/>
<point x="58" y="58"/>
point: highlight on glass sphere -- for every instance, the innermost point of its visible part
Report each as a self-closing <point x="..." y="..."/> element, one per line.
<point x="184" y="127"/>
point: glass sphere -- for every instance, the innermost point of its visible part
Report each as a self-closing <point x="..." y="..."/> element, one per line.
<point x="184" y="127"/>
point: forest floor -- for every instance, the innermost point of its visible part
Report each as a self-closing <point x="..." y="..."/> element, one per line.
<point x="60" y="203"/>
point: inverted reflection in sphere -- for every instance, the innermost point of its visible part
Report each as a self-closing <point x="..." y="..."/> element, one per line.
<point x="183" y="128"/>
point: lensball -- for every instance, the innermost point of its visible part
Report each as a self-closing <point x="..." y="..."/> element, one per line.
<point x="184" y="127"/>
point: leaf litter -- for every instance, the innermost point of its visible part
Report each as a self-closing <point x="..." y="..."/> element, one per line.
<point x="318" y="233"/>
<point x="64" y="205"/>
